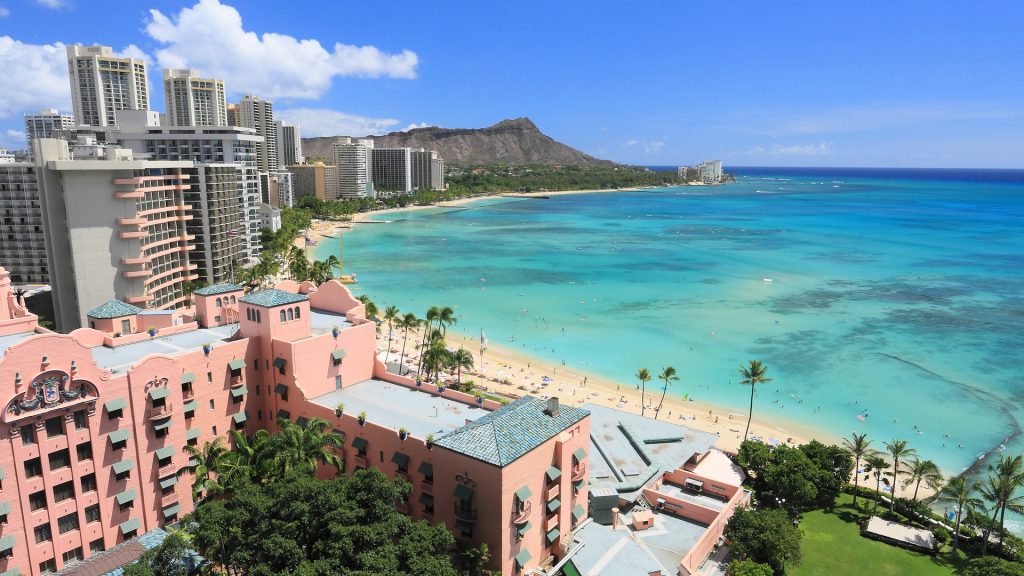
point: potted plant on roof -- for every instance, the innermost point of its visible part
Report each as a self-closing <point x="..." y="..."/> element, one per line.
<point x="335" y="331"/>
<point x="440" y="388"/>
<point x="152" y="331"/>
<point x="430" y="441"/>
<point x="339" y="409"/>
<point x="362" y="418"/>
<point x="207" y="347"/>
<point x="403" y="433"/>
<point x="479" y="396"/>
<point x="419" y="381"/>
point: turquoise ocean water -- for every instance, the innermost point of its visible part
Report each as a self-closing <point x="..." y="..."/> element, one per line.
<point x="895" y="295"/>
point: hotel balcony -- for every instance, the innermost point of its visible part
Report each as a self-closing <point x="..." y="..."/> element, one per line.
<point x="427" y="487"/>
<point x="522" y="516"/>
<point x="361" y="461"/>
<point x="169" y="498"/>
<point x="168" y="470"/>
<point x="238" y="381"/>
<point x="579" y="472"/>
<point x="160" y="412"/>
<point x="465" y="513"/>
<point x="551" y="523"/>
<point x="552" y="492"/>
<point x="135" y="274"/>
<point x="131" y="221"/>
<point x="188" y="394"/>
<point x="134" y="234"/>
<point x="139" y="299"/>
<point x="133" y="261"/>
<point x="129" y="194"/>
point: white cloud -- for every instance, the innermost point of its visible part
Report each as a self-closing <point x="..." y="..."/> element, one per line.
<point x="35" y="76"/>
<point x="649" y="147"/>
<point x="4" y="12"/>
<point x="12" y="139"/>
<point x="210" y="37"/>
<point x="325" y="122"/>
<point x="414" y="126"/>
<point x="133" y="51"/>
<point x="52" y="3"/>
<point x="821" y="149"/>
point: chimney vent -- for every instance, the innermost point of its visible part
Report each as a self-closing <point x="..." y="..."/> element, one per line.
<point x="552" y="407"/>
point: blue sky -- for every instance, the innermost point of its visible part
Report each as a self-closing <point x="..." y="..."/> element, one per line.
<point x="916" y="84"/>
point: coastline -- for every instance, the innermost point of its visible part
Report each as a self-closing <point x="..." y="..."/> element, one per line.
<point x="525" y="373"/>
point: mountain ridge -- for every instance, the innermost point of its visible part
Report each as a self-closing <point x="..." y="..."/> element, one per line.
<point x="510" y="141"/>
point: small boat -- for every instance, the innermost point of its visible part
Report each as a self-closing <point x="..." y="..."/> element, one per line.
<point x="769" y="280"/>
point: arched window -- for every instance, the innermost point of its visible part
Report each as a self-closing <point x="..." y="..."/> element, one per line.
<point x="248" y="314"/>
<point x="291" y="314"/>
<point x="232" y="299"/>
<point x="258" y="317"/>
<point x="220" y="304"/>
<point x="298" y="312"/>
<point x="282" y="315"/>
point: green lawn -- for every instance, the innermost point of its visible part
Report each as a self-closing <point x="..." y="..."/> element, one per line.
<point x="832" y="546"/>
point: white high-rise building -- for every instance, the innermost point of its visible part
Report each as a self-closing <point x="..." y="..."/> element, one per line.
<point x="352" y="158"/>
<point x="258" y="114"/>
<point x="45" y="123"/>
<point x="102" y="84"/>
<point x="289" y="145"/>
<point x="194" y="101"/>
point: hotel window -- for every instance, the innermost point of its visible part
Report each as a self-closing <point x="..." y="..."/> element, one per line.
<point x="211" y="404"/>
<point x="28" y="435"/>
<point x="80" y="420"/>
<point x="126" y="326"/>
<point x="115" y="413"/>
<point x="33" y="468"/>
<point x="48" y="566"/>
<point x="282" y="316"/>
<point x="72" y="555"/>
<point x="55" y="427"/>
<point x="89" y="483"/>
<point x="92" y="514"/>
<point x="43" y="534"/>
<point x="37" y="501"/>
<point x="60" y="459"/>
<point x="67" y="523"/>
<point x="96" y="546"/>
<point x="209" y="376"/>
<point x="297" y="312"/>
<point x="65" y="491"/>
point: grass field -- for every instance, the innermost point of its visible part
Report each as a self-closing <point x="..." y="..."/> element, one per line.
<point x="832" y="546"/>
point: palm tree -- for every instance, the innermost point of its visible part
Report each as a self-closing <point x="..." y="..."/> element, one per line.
<point x="303" y="447"/>
<point x="960" y="492"/>
<point x="877" y="465"/>
<point x="644" y="376"/>
<point x="462" y="359"/>
<point x="445" y="318"/>
<point x="370" y="308"/>
<point x="753" y="374"/>
<point x="923" y="470"/>
<point x="187" y="289"/>
<point x="436" y="356"/>
<point x="898" y="450"/>
<point x="432" y="314"/>
<point x="407" y="323"/>
<point x="390" y="316"/>
<point x="298" y="264"/>
<point x="1005" y="477"/>
<point x="209" y="457"/>
<point x="859" y="447"/>
<point x="668" y="374"/>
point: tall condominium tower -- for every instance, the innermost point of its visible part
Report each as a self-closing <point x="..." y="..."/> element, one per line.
<point x="194" y="101"/>
<point x="289" y="144"/>
<point x="391" y="169"/>
<point x="258" y="114"/>
<point x="22" y="246"/>
<point x="427" y="170"/>
<point x="352" y="157"/>
<point x="319" y="180"/>
<point x="214" y="195"/>
<point x="45" y="124"/>
<point x="114" y="228"/>
<point x="102" y="84"/>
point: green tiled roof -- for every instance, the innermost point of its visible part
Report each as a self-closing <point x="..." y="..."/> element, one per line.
<point x="188" y="378"/>
<point x="240" y="417"/>
<point x="426" y="468"/>
<point x="162" y="424"/>
<point x="12" y="571"/>
<point x="171" y="510"/>
<point x="6" y="543"/>
<point x="273" y="297"/>
<point x="284" y="414"/>
<point x="189" y="406"/>
<point x="125" y="497"/>
<point x="359" y="443"/>
<point x="169" y="481"/>
<point x="113" y="308"/>
<point x="553" y="535"/>
<point x="463" y="492"/>
<point x="119" y="436"/>
<point x="3" y="473"/>
<point x="129" y="525"/>
<point x="123" y="466"/>
<point x="158" y="393"/>
<point x="554" y="505"/>
<point x="524" y="529"/>
<point x="523" y="493"/>
<point x="115" y="404"/>
<point x="165" y="452"/>
<point x="236" y="364"/>
<point x="218" y="289"/>
<point x="338" y="355"/>
<point x="580" y="454"/>
<point x="5" y="508"/>
<point x="506" y="434"/>
<point x="578" y="512"/>
<point x="240" y="391"/>
<point x="401" y="459"/>
<point x="192" y="433"/>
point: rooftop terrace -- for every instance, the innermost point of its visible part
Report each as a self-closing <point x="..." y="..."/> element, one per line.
<point x="12" y="339"/>
<point x="393" y="406"/>
<point x="322" y="321"/>
<point x="120" y="358"/>
<point x="628" y="552"/>
<point x="616" y="461"/>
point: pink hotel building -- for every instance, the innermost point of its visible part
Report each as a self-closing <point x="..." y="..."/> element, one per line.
<point x="94" y="422"/>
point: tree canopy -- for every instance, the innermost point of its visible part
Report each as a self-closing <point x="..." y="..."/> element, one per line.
<point x="991" y="566"/>
<point x="748" y="567"/>
<point x="766" y="536"/>
<point x="809" y="476"/>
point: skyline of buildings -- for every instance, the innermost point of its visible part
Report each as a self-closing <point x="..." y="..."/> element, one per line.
<point x="257" y="113"/>
<point x="352" y="157"/>
<point x="194" y="101"/>
<point x="46" y="123"/>
<point x="102" y="84"/>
